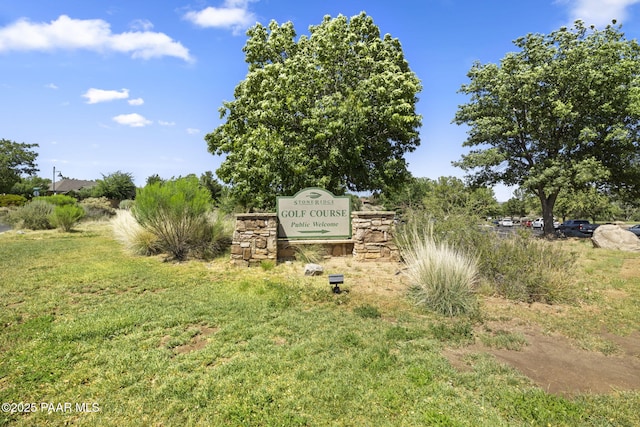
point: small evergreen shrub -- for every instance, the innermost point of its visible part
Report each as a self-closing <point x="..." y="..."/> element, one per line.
<point x="175" y="211"/>
<point x="34" y="215"/>
<point x="12" y="200"/>
<point x="97" y="208"/>
<point x="65" y="217"/>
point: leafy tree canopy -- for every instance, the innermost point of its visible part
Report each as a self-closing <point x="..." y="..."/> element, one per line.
<point x="442" y="197"/>
<point x="335" y="109"/>
<point x="16" y="159"/>
<point x="561" y="113"/>
<point x="117" y="186"/>
<point x="25" y="187"/>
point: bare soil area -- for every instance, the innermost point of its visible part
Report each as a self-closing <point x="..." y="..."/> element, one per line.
<point x="558" y="366"/>
<point x="551" y="360"/>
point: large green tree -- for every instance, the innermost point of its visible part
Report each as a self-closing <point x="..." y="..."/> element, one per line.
<point x="560" y="113"/>
<point x="116" y="186"/>
<point x="16" y="159"/>
<point x="335" y="109"/>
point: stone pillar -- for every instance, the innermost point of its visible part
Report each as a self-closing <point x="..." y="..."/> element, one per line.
<point x="373" y="234"/>
<point x="255" y="239"/>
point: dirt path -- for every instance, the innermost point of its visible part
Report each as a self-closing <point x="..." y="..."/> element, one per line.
<point x="561" y="368"/>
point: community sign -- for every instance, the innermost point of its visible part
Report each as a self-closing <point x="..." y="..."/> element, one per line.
<point x="314" y="213"/>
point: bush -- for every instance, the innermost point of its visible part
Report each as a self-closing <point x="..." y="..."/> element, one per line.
<point x="58" y="199"/>
<point x="520" y="267"/>
<point x="175" y="211"/>
<point x="442" y="277"/>
<point x="65" y="217"/>
<point x="34" y="215"/>
<point x="12" y="200"/>
<point x="97" y="208"/>
<point x="213" y="237"/>
<point x="525" y="268"/>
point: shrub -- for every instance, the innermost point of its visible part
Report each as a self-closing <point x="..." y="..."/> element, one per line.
<point x="213" y="236"/>
<point x="442" y="277"/>
<point x="65" y="217"/>
<point x="175" y="212"/>
<point x="135" y="238"/>
<point x="12" y="200"/>
<point x="34" y="215"/>
<point x="97" y="208"/>
<point x="58" y="199"/>
<point x="519" y="267"/>
<point x="528" y="269"/>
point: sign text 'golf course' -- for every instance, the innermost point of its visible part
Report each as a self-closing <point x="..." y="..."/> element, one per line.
<point x="314" y="213"/>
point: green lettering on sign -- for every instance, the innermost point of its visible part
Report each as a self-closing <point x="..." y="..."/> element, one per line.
<point x="314" y="213"/>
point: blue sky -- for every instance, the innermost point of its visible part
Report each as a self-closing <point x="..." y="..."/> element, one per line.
<point x="134" y="86"/>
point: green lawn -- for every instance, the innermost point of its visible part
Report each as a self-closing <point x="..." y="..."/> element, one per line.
<point x="90" y="335"/>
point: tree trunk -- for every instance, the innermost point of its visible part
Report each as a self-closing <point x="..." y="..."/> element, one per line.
<point x="547" y="203"/>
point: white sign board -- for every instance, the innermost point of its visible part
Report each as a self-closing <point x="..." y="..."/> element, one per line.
<point x="314" y="213"/>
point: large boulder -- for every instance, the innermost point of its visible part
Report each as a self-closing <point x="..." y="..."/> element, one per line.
<point x="611" y="236"/>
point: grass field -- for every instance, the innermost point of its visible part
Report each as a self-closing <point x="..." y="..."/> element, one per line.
<point x="90" y="335"/>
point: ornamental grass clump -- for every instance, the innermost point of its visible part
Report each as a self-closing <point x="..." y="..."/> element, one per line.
<point x="133" y="236"/>
<point x="442" y="278"/>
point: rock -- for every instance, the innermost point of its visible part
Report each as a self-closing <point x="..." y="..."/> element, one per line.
<point x="317" y="270"/>
<point x="611" y="236"/>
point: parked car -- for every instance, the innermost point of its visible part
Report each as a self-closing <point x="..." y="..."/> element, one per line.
<point x="577" y="228"/>
<point x="506" y="222"/>
<point x="635" y="230"/>
<point x="539" y="223"/>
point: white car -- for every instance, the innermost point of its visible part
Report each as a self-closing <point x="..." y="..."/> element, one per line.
<point x="506" y="222"/>
<point x="539" y="223"/>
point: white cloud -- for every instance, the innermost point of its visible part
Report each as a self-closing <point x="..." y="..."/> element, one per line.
<point x="600" y="12"/>
<point x="141" y="25"/>
<point x="88" y="34"/>
<point x="137" y="101"/>
<point x="233" y="15"/>
<point x="193" y="131"/>
<point x="134" y="120"/>
<point x="95" y="96"/>
<point x="163" y="123"/>
<point x="51" y="86"/>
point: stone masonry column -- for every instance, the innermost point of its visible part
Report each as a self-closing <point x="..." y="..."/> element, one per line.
<point x="373" y="236"/>
<point x="255" y="239"/>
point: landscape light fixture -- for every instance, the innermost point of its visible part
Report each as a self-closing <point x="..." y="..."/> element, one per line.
<point x="335" y="280"/>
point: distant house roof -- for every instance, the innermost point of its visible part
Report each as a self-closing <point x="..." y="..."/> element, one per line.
<point x="67" y="185"/>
